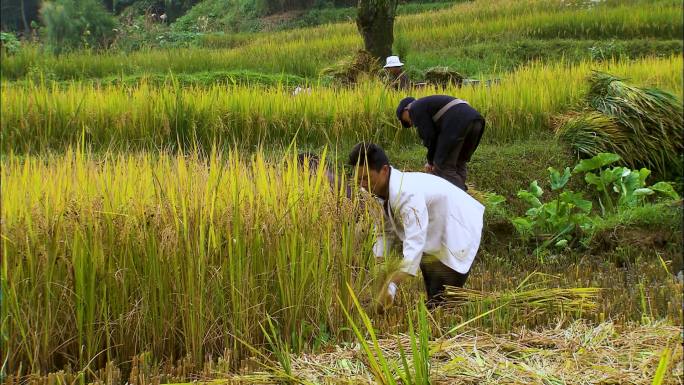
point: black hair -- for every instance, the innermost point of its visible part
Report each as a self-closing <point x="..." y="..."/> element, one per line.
<point x="311" y="158"/>
<point x="368" y="154"/>
<point x="402" y="106"/>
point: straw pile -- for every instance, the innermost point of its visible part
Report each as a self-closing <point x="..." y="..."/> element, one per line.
<point x="642" y="125"/>
<point x="578" y="354"/>
<point x="349" y="70"/>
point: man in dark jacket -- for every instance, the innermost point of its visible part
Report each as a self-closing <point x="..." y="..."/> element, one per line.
<point x="450" y="129"/>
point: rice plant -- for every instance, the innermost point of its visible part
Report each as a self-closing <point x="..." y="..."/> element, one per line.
<point x="175" y="255"/>
<point x="304" y="52"/>
<point x="43" y="116"/>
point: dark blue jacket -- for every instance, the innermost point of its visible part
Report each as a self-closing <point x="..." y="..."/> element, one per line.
<point x="440" y="137"/>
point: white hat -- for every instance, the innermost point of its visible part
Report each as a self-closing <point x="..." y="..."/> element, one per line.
<point x="393" y="61"/>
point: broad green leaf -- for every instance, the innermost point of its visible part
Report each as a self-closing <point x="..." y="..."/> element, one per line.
<point x="577" y="200"/>
<point x="523" y="226"/>
<point x="631" y="182"/>
<point x="562" y="243"/>
<point x="600" y="160"/>
<point x="643" y="174"/>
<point x="535" y="189"/>
<point x="534" y="211"/>
<point x="643" y="191"/>
<point x="594" y="180"/>
<point x="557" y="180"/>
<point x="494" y="200"/>
<point x="624" y="171"/>
<point x="665" y="188"/>
<point x="530" y="198"/>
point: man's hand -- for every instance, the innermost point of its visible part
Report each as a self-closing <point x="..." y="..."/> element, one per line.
<point x="386" y="296"/>
<point x="388" y="292"/>
<point x="429" y="168"/>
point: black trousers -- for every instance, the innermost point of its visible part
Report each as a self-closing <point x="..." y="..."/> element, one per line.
<point x="437" y="275"/>
<point x="454" y="168"/>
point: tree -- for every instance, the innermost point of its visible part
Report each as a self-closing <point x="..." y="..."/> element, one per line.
<point x="77" y="23"/>
<point x="17" y="15"/>
<point x="375" y="22"/>
<point x="176" y="8"/>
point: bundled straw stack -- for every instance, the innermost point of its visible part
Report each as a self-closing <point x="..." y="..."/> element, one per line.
<point x="642" y="125"/>
<point x="532" y="296"/>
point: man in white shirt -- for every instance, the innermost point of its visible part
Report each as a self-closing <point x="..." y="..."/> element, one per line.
<point x="429" y="215"/>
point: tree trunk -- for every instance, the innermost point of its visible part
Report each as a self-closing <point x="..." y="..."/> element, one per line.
<point x="375" y="22"/>
<point x="27" y="27"/>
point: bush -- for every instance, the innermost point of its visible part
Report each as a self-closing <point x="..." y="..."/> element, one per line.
<point x="74" y="24"/>
<point x="9" y="44"/>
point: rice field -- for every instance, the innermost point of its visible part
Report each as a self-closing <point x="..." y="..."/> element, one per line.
<point x="158" y="231"/>
<point x="44" y="116"/>
<point x="305" y="52"/>
<point x="189" y="255"/>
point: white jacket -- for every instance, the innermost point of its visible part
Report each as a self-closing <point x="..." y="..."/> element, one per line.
<point x="430" y="216"/>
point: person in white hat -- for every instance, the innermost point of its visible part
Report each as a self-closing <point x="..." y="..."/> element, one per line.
<point x="395" y="70"/>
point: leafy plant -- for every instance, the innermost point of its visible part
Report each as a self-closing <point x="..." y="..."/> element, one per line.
<point x="420" y="350"/>
<point x="621" y="183"/>
<point x="554" y="221"/>
<point x="281" y="349"/>
<point x="9" y="43"/>
<point x="75" y="24"/>
<point x="385" y="371"/>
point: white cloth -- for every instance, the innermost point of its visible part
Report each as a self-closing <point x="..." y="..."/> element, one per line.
<point x="429" y="215"/>
<point x="393" y="61"/>
<point x="392" y="289"/>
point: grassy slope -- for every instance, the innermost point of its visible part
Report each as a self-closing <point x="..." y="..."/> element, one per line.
<point x="475" y="38"/>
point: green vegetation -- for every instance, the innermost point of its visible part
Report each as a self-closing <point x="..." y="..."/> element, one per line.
<point x="9" y="43"/>
<point x="76" y="24"/>
<point x="156" y="226"/>
<point x="41" y="116"/>
<point x="431" y="37"/>
<point x="566" y="219"/>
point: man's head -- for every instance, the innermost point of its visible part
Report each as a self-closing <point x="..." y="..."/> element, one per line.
<point x="372" y="168"/>
<point x="306" y="157"/>
<point x="403" y="112"/>
<point x="394" y="65"/>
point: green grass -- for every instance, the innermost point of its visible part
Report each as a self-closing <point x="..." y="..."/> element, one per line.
<point x="212" y="15"/>
<point x="490" y="58"/>
<point x="304" y="52"/>
<point x="196" y="79"/>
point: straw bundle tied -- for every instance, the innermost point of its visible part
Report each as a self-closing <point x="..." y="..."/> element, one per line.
<point x="642" y="125"/>
<point x="531" y="295"/>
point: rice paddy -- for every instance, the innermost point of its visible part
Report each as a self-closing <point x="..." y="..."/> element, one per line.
<point x="43" y="116"/>
<point x="161" y="230"/>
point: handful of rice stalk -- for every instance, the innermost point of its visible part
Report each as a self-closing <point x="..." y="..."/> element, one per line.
<point x="532" y="295"/>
